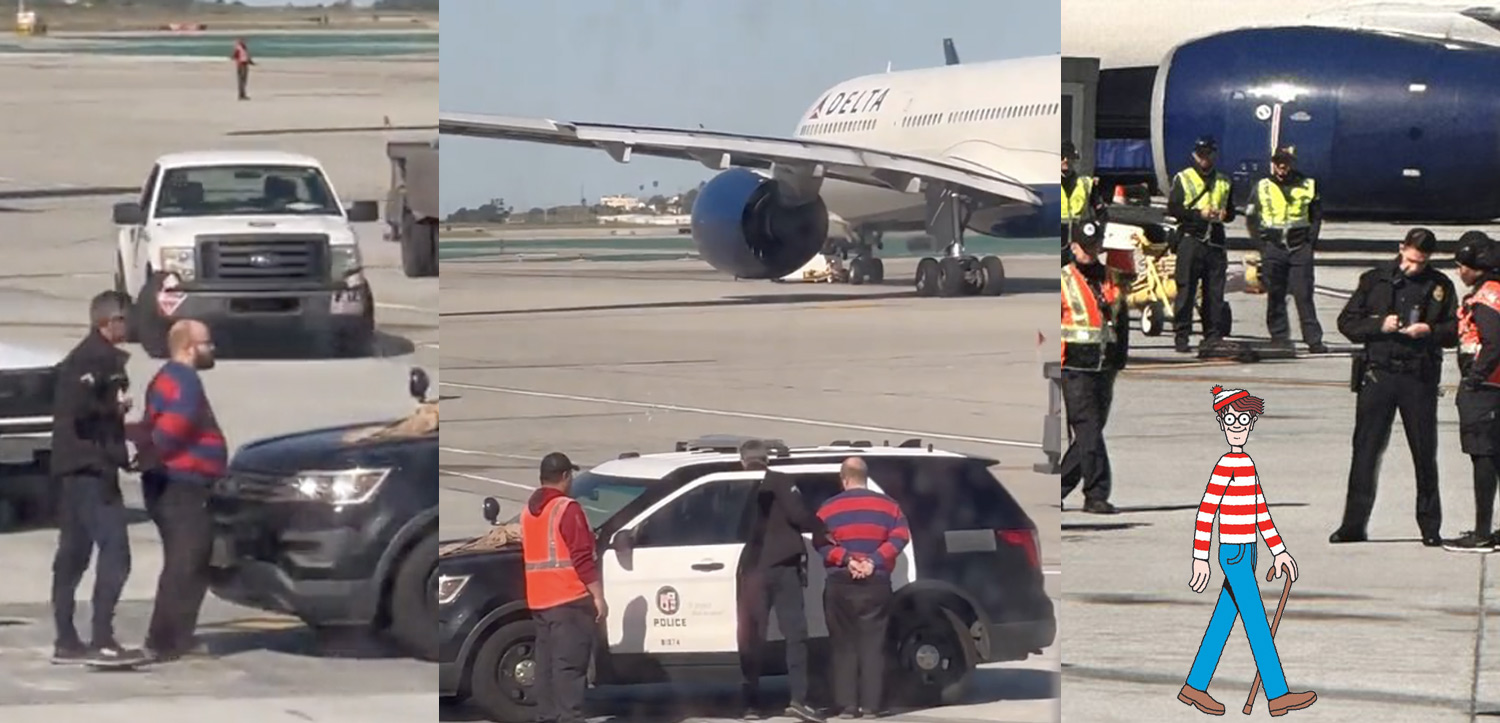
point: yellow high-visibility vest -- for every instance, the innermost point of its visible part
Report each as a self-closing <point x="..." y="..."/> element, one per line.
<point x="1217" y="197"/>
<point x="1285" y="211"/>
<point x="1078" y="200"/>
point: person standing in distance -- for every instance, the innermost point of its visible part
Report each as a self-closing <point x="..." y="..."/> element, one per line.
<point x="563" y="590"/>
<point x="1404" y="313"/>
<point x="866" y="533"/>
<point x="88" y="452"/>
<point x="1095" y="345"/>
<point x="1286" y="214"/>
<point x="187" y="455"/>
<point x="1200" y="201"/>
<point x="1479" y="385"/>
<point x="772" y="574"/>
<point x="242" y="63"/>
<point x="1081" y="201"/>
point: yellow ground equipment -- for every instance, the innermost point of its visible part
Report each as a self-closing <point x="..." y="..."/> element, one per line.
<point x="1154" y="289"/>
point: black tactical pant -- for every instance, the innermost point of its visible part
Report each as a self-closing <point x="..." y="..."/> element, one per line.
<point x="180" y="510"/>
<point x="91" y="514"/>
<point x="242" y="79"/>
<point x="1384" y="393"/>
<point x="1289" y="271"/>
<point x="857" y="619"/>
<point x="1199" y="262"/>
<point x="760" y="591"/>
<point x="1088" y="396"/>
<point x="564" y="643"/>
<point x="1067" y="244"/>
<point x="1479" y="436"/>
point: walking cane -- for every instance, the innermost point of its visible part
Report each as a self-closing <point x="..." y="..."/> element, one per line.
<point x="1285" y="590"/>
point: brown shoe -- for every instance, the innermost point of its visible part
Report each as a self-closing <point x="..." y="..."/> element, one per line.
<point x="1201" y="700"/>
<point x="1291" y="702"/>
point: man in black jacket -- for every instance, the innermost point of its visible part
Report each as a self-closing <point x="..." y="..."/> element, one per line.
<point x="1404" y="312"/>
<point x="88" y="452"/>
<point x="772" y="574"/>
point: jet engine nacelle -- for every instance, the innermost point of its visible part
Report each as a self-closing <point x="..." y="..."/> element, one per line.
<point x="1392" y="127"/>
<point x="742" y="226"/>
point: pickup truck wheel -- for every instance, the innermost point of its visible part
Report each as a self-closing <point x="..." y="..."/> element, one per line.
<point x="414" y="617"/>
<point x="150" y="327"/>
<point x="932" y="659"/>
<point x="504" y="673"/>
<point x="360" y="341"/>
<point x="132" y="334"/>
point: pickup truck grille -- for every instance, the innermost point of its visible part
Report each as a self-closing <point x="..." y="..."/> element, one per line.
<point x="263" y="257"/>
<point x="27" y="392"/>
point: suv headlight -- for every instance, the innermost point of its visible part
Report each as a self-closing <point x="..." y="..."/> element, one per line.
<point x="344" y="260"/>
<point x="344" y="487"/>
<point x="179" y="260"/>
<point x="449" y="586"/>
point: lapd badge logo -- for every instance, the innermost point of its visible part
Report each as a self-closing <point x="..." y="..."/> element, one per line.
<point x="1089" y="229"/>
<point x="667" y="600"/>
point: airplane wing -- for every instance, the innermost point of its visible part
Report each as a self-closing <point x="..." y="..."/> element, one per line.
<point x="719" y="151"/>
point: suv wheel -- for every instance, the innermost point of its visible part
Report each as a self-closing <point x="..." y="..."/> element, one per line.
<point x="144" y="317"/>
<point x="932" y="660"/>
<point x="500" y="683"/>
<point x="413" y="605"/>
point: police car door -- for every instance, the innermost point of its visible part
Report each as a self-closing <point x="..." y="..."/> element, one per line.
<point x="816" y="483"/>
<point x="671" y="587"/>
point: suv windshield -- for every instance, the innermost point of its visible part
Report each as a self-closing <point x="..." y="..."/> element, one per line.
<point x="245" y="191"/>
<point x="602" y="495"/>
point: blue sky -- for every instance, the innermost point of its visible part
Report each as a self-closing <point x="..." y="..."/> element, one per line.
<point x="751" y="66"/>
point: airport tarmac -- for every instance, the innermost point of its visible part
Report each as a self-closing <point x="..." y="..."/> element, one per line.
<point x="1381" y="631"/>
<point x="596" y="358"/>
<point x="93" y="121"/>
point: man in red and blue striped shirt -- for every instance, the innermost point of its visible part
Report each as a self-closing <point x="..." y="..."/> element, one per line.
<point x="866" y="533"/>
<point x="188" y="454"/>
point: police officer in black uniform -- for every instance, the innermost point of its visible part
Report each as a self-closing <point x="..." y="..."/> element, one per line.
<point x="1079" y="193"/>
<point x="1404" y="312"/>
<point x="1200" y="200"/>
<point x="1286" y="214"/>
<point x="1088" y="374"/>
<point x="88" y="452"/>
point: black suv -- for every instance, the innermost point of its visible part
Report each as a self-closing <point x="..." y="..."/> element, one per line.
<point x="670" y="527"/>
<point x="336" y="526"/>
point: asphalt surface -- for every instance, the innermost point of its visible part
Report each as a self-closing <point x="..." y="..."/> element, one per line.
<point x="101" y="122"/>
<point x="1382" y="631"/>
<point x="596" y="358"/>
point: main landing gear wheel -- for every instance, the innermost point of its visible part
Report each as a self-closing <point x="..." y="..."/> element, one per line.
<point x="866" y="269"/>
<point x="928" y="275"/>
<point x="994" y="276"/>
<point x="957" y="273"/>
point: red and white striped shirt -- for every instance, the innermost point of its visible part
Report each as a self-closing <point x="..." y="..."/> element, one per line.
<point x="1234" y="495"/>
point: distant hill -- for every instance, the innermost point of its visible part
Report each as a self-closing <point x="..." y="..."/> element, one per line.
<point x="406" y="5"/>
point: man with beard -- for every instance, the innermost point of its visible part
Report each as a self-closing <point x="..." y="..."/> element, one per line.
<point x="1081" y="201"/>
<point x="1200" y="201"/>
<point x="1286" y="214"/>
<point x="186" y="454"/>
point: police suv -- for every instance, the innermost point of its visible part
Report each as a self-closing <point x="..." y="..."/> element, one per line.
<point x="670" y="527"/>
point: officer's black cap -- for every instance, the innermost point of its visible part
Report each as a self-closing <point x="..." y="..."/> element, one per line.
<point x="1420" y="239"/>
<point x="1088" y="234"/>
<point x="1069" y="151"/>
<point x="554" y="465"/>
<point x="1206" y="143"/>
<point x="1284" y="155"/>
<point x="1476" y="251"/>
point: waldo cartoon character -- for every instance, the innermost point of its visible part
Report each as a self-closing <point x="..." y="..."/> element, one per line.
<point x="1234" y="496"/>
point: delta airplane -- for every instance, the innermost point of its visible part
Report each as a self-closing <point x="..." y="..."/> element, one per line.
<point x="963" y="146"/>
<point x="1393" y="107"/>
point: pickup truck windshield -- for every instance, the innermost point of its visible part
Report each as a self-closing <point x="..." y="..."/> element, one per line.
<point x="245" y="191"/>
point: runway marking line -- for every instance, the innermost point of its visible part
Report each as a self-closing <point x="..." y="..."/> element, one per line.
<point x="482" y="478"/>
<point x="482" y="453"/>
<point x="403" y="307"/>
<point x="745" y="415"/>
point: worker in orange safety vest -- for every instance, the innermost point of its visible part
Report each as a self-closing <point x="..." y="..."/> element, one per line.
<point x="1095" y="342"/>
<point x="242" y="63"/>
<point x="1479" y="391"/>
<point x="563" y="590"/>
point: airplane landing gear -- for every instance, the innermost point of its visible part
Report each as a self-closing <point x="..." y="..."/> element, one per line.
<point x="866" y="267"/>
<point x="957" y="273"/>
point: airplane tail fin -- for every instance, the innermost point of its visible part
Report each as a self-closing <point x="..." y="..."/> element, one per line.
<point x="950" y="53"/>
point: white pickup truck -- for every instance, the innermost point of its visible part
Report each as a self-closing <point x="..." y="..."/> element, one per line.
<point x="253" y="243"/>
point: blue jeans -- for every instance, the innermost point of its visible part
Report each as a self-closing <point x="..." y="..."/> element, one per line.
<point x="1240" y="597"/>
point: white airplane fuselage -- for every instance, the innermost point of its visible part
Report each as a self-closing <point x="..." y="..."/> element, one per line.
<point x="1003" y="115"/>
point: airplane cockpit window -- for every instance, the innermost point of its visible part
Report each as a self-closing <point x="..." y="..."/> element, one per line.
<point x="245" y="190"/>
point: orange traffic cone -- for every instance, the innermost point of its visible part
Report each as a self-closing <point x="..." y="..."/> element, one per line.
<point x="1119" y="195"/>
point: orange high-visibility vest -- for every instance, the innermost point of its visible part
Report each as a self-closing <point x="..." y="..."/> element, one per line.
<point x="1469" y="342"/>
<point x="550" y="577"/>
<point x="1084" y="322"/>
